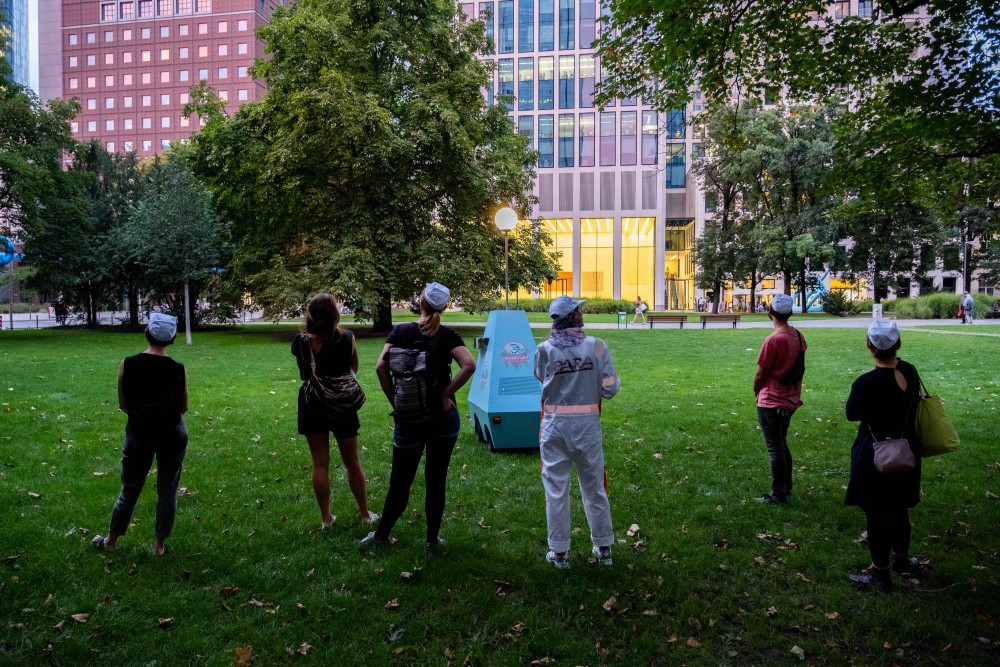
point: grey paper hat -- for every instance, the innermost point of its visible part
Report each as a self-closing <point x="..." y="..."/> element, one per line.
<point x="563" y="306"/>
<point x="162" y="327"/>
<point x="883" y="334"/>
<point x="781" y="304"/>
<point x="437" y="296"/>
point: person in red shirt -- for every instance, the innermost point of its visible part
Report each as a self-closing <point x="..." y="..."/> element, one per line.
<point x="778" y="386"/>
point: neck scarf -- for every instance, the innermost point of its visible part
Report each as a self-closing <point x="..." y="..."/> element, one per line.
<point x="568" y="331"/>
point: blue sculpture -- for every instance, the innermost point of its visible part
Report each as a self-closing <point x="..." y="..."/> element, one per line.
<point x="814" y="298"/>
<point x="9" y="253"/>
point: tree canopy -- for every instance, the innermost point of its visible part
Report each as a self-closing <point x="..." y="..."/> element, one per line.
<point x="372" y="164"/>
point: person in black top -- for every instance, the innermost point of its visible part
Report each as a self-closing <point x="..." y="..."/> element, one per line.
<point x="152" y="391"/>
<point x="336" y="354"/>
<point x="884" y="401"/>
<point x="440" y="433"/>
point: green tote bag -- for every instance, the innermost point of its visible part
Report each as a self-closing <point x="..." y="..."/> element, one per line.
<point x="934" y="429"/>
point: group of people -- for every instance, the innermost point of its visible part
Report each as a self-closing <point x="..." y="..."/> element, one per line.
<point x="576" y="372"/>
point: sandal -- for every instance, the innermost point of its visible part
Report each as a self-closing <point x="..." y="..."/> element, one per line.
<point x="98" y="543"/>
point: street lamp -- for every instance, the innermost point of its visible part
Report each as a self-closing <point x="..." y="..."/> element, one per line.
<point x="506" y="220"/>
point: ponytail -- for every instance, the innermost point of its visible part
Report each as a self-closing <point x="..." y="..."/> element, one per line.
<point x="430" y="319"/>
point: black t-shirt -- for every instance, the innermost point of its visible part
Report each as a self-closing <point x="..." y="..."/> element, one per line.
<point x="153" y="386"/>
<point x="439" y="347"/>
<point x="333" y="360"/>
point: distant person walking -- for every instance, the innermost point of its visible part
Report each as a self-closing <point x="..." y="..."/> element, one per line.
<point x="152" y="391"/>
<point x="884" y="401"/>
<point x="576" y="372"/>
<point x="330" y="351"/>
<point x="968" y="308"/>
<point x="778" y="387"/>
<point x="414" y="370"/>
<point x="640" y="310"/>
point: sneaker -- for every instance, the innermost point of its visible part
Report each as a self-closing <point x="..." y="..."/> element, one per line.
<point x="909" y="565"/>
<point x="328" y="524"/>
<point x="372" y="518"/>
<point x="432" y="546"/>
<point x="771" y="499"/>
<point x="873" y="578"/>
<point x="371" y="540"/>
<point x="558" y="560"/>
<point x="603" y="555"/>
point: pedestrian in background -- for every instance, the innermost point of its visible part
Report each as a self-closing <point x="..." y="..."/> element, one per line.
<point x="778" y="387"/>
<point x="576" y="372"/>
<point x="968" y="308"/>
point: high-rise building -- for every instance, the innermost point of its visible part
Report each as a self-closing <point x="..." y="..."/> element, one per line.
<point x="14" y="28"/>
<point x="612" y="185"/>
<point x="131" y="63"/>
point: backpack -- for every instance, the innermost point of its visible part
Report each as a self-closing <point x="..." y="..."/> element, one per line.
<point x="798" y="369"/>
<point x="411" y="385"/>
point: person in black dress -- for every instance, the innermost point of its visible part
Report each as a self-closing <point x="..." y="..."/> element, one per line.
<point x="152" y="391"/>
<point x="336" y="354"/>
<point x="438" y="435"/>
<point x="884" y="401"/>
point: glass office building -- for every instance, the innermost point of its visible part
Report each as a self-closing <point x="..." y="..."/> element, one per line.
<point x="612" y="184"/>
<point x="14" y="27"/>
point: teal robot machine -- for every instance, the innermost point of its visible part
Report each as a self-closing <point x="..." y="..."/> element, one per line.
<point x="505" y="399"/>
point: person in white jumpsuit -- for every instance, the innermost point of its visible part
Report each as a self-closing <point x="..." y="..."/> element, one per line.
<point x="576" y="372"/>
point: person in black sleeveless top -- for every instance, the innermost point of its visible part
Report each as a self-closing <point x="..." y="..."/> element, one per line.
<point x="152" y="391"/>
<point x="336" y="354"/>
<point x="438" y="435"/>
<point x="884" y="401"/>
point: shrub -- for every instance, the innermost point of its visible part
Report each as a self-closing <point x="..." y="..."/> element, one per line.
<point x="835" y="303"/>
<point x="590" y="307"/>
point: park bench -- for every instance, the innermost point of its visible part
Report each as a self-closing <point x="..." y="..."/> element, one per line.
<point x="666" y="319"/>
<point x="719" y="317"/>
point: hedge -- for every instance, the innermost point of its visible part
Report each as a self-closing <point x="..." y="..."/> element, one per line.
<point x="591" y="306"/>
<point x="937" y="306"/>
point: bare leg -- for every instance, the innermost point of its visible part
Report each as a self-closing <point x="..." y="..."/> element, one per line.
<point x="355" y="473"/>
<point x="319" y="447"/>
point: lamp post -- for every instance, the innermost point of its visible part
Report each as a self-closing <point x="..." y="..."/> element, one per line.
<point x="966" y="281"/>
<point x="506" y="220"/>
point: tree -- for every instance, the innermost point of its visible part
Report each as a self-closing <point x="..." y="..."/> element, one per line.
<point x="175" y="234"/>
<point x="372" y="164"/>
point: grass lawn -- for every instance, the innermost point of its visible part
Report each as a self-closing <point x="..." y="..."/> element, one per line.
<point x="711" y="577"/>
<point x="610" y="318"/>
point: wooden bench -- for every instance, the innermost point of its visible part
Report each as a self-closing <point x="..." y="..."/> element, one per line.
<point x="666" y="319"/>
<point x="719" y="317"/>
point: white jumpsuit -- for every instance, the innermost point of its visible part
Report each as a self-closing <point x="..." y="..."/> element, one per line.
<point x="574" y="380"/>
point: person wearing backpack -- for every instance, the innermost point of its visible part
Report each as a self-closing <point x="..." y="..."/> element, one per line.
<point x="414" y="370"/>
<point x="328" y="351"/>
<point x="577" y="373"/>
<point x="778" y="387"/>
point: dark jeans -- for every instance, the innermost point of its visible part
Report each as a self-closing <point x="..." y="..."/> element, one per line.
<point x="409" y="444"/>
<point x="888" y="531"/>
<point x="137" y="459"/>
<point x="774" y="424"/>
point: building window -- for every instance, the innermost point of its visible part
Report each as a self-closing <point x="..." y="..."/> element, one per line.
<point x="526" y="128"/>
<point x="223" y="49"/>
<point x="183" y="30"/>
<point x="588" y="76"/>
<point x="649" y="137"/>
<point x="92" y="104"/>
<point x="145" y="33"/>
<point x="109" y="103"/>
<point x="243" y="94"/>
<point x="841" y="9"/>
<point x="567" y="74"/>
<point x="241" y="25"/>
<point x="567" y="24"/>
<point x="185" y="121"/>
<point x="107" y="12"/>
<point x="164" y="99"/>
<point x="505" y="33"/>
<point x="129" y="146"/>
<point x="203" y="51"/>
<point x="525" y="84"/>
<point x="588" y="23"/>
<point x="486" y="14"/>
<point x="74" y="61"/>
<point x="126" y="79"/>
<point x="526" y="26"/>
<point x="73" y="38"/>
<point x="224" y="95"/>
<point x="587" y="140"/>
<point x="109" y="125"/>
<point x="74" y="84"/>
<point x="561" y="232"/>
<point x="202" y="28"/>
<point x="91" y="82"/>
<point x="183" y="7"/>
<point x="546" y="139"/>
<point x="865" y="8"/>
<point x="203" y="75"/>
<point x="127" y="57"/>
<point x="628" y="138"/>
<point x="147" y="56"/>
<point x="241" y="48"/>
<point x="91" y="60"/>
<point x="183" y="52"/>
<point x="638" y="244"/>
<point x="184" y="98"/>
<point x="91" y="38"/>
<point x="506" y="81"/>
<point x="110" y="146"/>
<point x="566" y="126"/>
<point x="223" y="72"/>
<point x="164" y="31"/>
<point x="127" y="35"/>
<point x="223" y="26"/>
<point x="74" y="127"/>
<point x="597" y="258"/>
<point x="147" y="123"/>
<point x="546" y="25"/>
<point x="147" y="145"/>
<point x="675" y="166"/>
<point x="546" y="85"/>
<point x="147" y="100"/>
<point x="165" y="77"/>
<point x="242" y="71"/>
<point x="109" y="35"/>
<point x="164" y="121"/>
<point x="184" y="75"/>
<point x="91" y="126"/>
<point x="165" y="8"/>
<point x="127" y="101"/>
<point x="608" y="137"/>
<point x="164" y="54"/>
<point x="164" y="144"/>
<point x="109" y="59"/>
<point x="203" y="6"/>
<point x="147" y="77"/>
<point x="711" y="202"/>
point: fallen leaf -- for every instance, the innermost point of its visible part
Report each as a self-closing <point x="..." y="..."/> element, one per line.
<point x="228" y="591"/>
<point x="672" y="639"/>
<point x="887" y="645"/>
<point x="658" y="456"/>
<point x="98" y="473"/>
<point x="254" y="602"/>
<point x="991" y="495"/>
<point x="832" y="615"/>
<point x="32" y="494"/>
<point x="392" y="604"/>
<point x="58" y="627"/>
<point x="770" y="611"/>
<point x="694" y="623"/>
<point x="164" y="623"/>
<point x="395" y="633"/>
<point x="798" y="653"/>
<point x="601" y="651"/>
<point x="300" y="606"/>
<point x="609" y="604"/>
<point x="10" y="559"/>
<point x="107" y="566"/>
<point x="304" y="648"/>
<point x="693" y="643"/>
<point x="633" y="530"/>
<point x="482" y="522"/>
<point x="132" y="569"/>
<point x="542" y="662"/>
<point x="983" y="640"/>
<point x="15" y="626"/>
<point x="80" y="618"/>
<point x="803" y="577"/>
<point x="244" y="655"/>
<point x="649" y="612"/>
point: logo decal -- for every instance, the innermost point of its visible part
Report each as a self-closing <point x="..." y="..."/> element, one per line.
<point x="514" y="353"/>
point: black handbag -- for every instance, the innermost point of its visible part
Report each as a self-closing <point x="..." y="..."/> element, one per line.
<point x="332" y="396"/>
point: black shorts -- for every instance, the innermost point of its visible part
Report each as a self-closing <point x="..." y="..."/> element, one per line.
<point x="313" y="423"/>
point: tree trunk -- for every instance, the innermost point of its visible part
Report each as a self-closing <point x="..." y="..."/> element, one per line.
<point x="382" y="322"/>
<point x="91" y="306"/>
<point x="752" y="306"/>
<point x="786" y="277"/>
<point x="187" y="312"/>
<point x="716" y="296"/>
<point x="877" y="298"/>
<point x="133" y="303"/>
<point x="802" y="289"/>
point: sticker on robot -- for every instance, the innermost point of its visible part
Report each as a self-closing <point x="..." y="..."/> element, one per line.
<point x="514" y="354"/>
